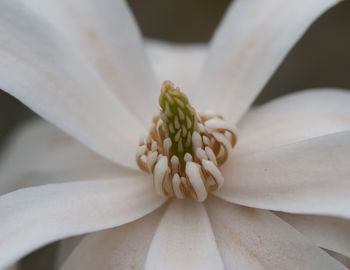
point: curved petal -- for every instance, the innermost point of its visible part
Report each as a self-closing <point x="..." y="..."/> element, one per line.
<point x="327" y="232"/>
<point x="184" y="240"/>
<point x="40" y="68"/>
<point x="308" y="177"/>
<point x="249" y="45"/>
<point x="39" y="153"/>
<point x="179" y="63"/>
<point x="293" y="118"/>
<point x="120" y="248"/>
<point x="257" y="239"/>
<point x="106" y="32"/>
<point x="63" y="210"/>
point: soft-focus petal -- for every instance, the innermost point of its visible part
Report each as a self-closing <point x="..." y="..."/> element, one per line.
<point x="33" y="217"/>
<point x="179" y="63"/>
<point x="327" y="232"/>
<point x="293" y="118"/>
<point x="249" y="45"/>
<point x="120" y="248"/>
<point x="40" y="68"/>
<point x="339" y="257"/>
<point x="308" y="177"/>
<point x="184" y="240"/>
<point x="39" y="153"/>
<point x="257" y="239"/>
<point x="106" y="32"/>
<point x="65" y="248"/>
<point x="13" y="267"/>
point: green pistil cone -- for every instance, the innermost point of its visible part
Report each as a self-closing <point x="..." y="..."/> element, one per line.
<point x="178" y="116"/>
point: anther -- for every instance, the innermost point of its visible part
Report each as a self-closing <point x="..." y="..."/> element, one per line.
<point x="210" y="154"/>
<point x="196" y="179"/>
<point x="151" y="160"/>
<point x="206" y="140"/>
<point x="188" y="157"/>
<point x="174" y="164"/>
<point x="177" y="186"/>
<point x="161" y="172"/>
<point x="201" y="154"/>
<point x="196" y="140"/>
<point x="166" y="145"/>
<point x="154" y="146"/>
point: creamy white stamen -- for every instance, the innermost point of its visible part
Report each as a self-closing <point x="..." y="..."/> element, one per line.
<point x="184" y="150"/>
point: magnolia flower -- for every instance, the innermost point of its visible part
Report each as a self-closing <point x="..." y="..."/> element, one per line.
<point x="82" y="66"/>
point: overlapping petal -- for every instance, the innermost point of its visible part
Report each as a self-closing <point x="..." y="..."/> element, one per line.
<point x="327" y="232"/>
<point x="69" y="209"/>
<point x="39" y="153"/>
<point x="257" y="239"/>
<point x="310" y="177"/>
<point x="294" y="118"/>
<point x="120" y="248"/>
<point x="249" y="45"/>
<point x="107" y="34"/>
<point x="40" y="67"/>
<point x="184" y="240"/>
<point x="180" y="63"/>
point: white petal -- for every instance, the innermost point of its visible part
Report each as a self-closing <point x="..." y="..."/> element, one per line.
<point x="106" y="32"/>
<point x="179" y="63"/>
<point x="39" y="153"/>
<point x="327" y="232"/>
<point x="33" y="217"/>
<point x="310" y="177"/>
<point x="249" y="45"/>
<point x="293" y="118"/>
<point x="257" y="239"/>
<point x="124" y="247"/>
<point x="40" y="68"/>
<point x="184" y="240"/>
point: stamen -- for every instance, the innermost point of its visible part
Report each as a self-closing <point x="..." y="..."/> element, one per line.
<point x="177" y="187"/>
<point x="174" y="164"/>
<point x="166" y="145"/>
<point x="184" y="150"/>
<point x="206" y="140"/>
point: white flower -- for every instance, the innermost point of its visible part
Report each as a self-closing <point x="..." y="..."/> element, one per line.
<point x="81" y="65"/>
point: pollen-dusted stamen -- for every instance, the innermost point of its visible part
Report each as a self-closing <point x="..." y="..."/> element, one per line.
<point x="185" y="149"/>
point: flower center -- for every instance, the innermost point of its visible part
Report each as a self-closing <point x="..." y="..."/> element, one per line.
<point x="185" y="149"/>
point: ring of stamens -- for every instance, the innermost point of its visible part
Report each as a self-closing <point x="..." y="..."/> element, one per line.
<point x="185" y="149"/>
